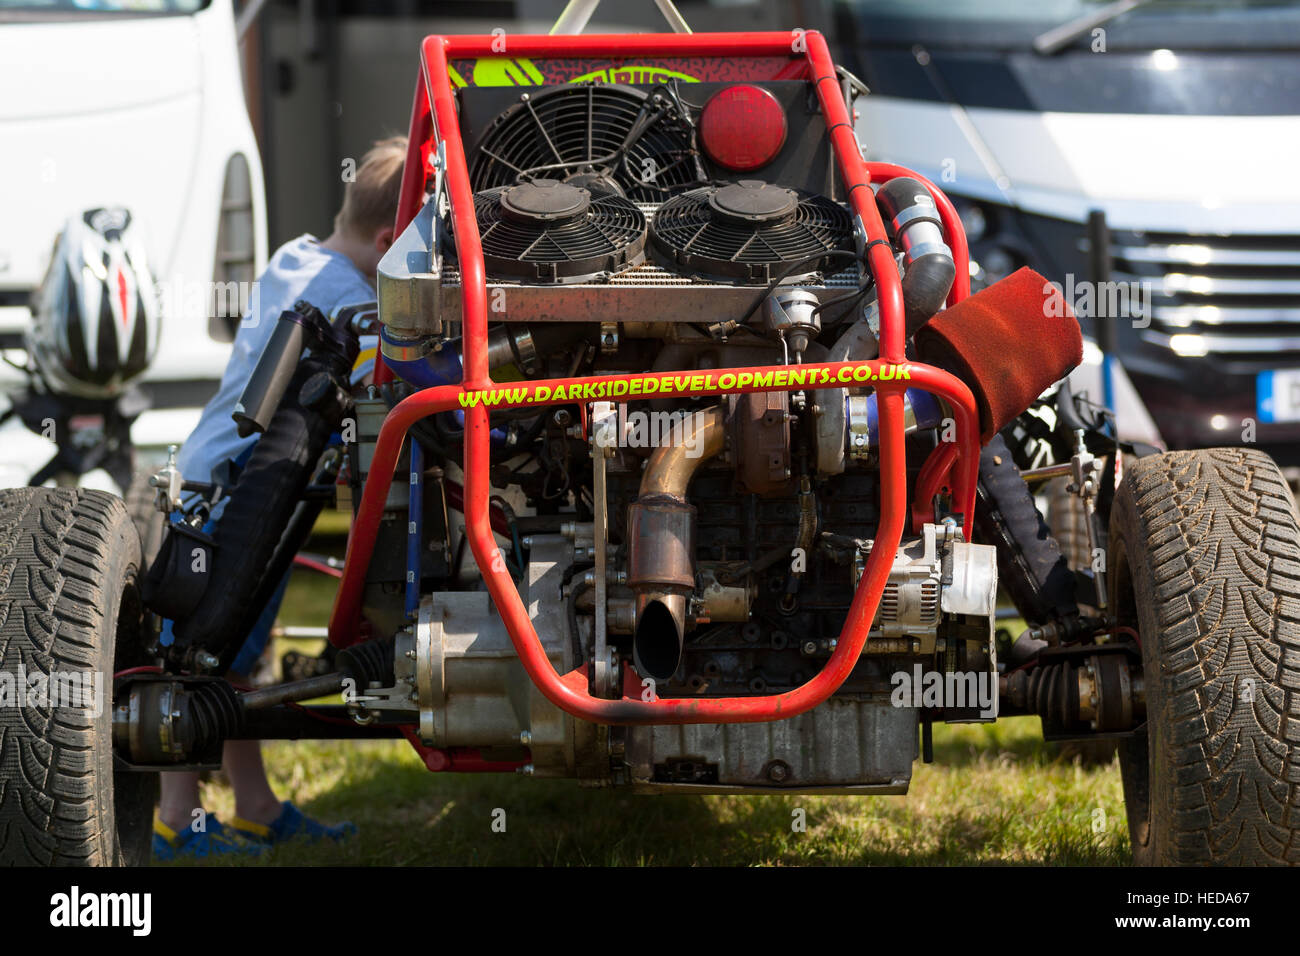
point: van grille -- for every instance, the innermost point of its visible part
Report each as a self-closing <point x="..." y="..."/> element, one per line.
<point x="1236" y="297"/>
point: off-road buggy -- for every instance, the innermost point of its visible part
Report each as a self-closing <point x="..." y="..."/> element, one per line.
<point x="688" y="465"/>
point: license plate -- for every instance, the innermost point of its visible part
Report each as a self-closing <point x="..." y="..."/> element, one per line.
<point x="1277" y="395"/>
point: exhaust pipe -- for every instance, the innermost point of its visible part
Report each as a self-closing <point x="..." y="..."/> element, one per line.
<point x="661" y="544"/>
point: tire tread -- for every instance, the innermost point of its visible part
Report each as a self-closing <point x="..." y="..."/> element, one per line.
<point x="56" y="557"/>
<point x="1219" y="533"/>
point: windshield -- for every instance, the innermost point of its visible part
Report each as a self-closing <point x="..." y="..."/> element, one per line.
<point x="1055" y="10"/>
<point x="1186" y="24"/>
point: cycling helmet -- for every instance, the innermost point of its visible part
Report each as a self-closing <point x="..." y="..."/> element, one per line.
<point x="96" y="316"/>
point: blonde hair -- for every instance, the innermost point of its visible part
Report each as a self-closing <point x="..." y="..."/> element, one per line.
<point x="370" y="200"/>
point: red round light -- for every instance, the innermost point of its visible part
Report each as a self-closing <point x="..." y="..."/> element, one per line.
<point x="742" y="127"/>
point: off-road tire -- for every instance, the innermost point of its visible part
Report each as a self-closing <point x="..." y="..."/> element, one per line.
<point x="69" y="602"/>
<point x="1205" y="563"/>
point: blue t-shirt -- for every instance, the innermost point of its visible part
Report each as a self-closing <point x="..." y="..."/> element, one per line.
<point x="300" y="269"/>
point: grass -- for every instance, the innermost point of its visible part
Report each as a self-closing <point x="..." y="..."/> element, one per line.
<point x="996" y="794"/>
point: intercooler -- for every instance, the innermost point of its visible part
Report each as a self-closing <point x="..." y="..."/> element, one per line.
<point x="419" y="291"/>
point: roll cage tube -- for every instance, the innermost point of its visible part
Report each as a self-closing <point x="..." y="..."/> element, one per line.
<point x="951" y="467"/>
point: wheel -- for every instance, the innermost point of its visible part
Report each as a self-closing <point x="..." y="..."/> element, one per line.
<point x="1205" y="562"/>
<point x="70" y="610"/>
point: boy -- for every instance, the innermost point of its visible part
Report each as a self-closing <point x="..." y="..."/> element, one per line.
<point x="337" y="271"/>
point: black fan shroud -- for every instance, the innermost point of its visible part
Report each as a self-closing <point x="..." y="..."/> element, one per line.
<point x="694" y="233"/>
<point x="606" y="236"/>
<point x="573" y="132"/>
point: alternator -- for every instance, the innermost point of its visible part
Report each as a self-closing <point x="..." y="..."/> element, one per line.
<point x="934" y="575"/>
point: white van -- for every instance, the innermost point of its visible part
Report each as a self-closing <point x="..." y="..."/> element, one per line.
<point x="141" y="105"/>
<point x="1176" y="119"/>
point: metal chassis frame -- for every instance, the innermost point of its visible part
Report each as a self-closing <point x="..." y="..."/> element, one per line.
<point x="952" y="467"/>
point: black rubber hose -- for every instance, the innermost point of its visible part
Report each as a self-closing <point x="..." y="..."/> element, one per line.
<point x="1066" y="410"/>
<point x="929" y="269"/>
<point x="926" y="284"/>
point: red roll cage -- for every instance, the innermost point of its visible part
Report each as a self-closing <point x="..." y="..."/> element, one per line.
<point x="952" y="467"/>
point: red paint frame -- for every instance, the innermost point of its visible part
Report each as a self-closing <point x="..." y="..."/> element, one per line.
<point x="952" y="466"/>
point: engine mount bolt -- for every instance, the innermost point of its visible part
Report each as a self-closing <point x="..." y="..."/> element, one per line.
<point x="206" y="660"/>
<point x="810" y="647"/>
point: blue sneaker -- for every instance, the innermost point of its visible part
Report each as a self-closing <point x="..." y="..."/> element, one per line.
<point x="291" y="824"/>
<point x="216" y="839"/>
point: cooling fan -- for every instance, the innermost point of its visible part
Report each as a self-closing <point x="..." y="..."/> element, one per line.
<point x="549" y="231"/>
<point x="634" y="140"/>
<point x="748" y="230"/>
